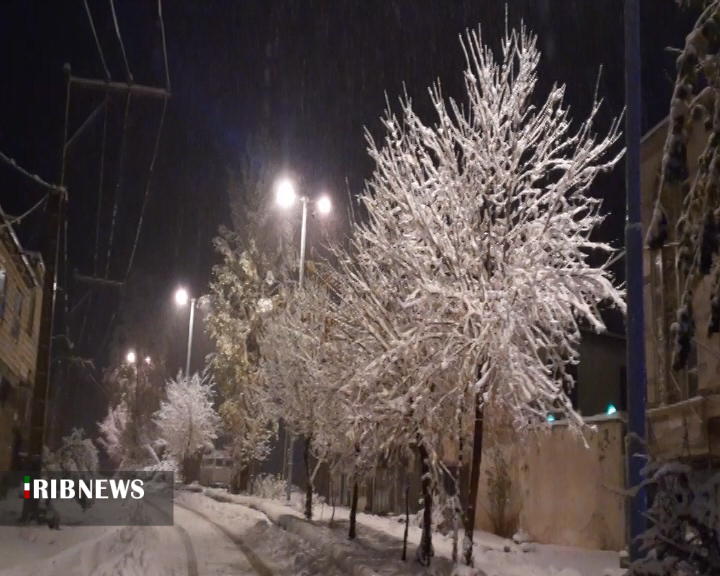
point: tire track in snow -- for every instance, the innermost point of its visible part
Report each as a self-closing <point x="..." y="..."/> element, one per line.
<point x="192" y="565"/>
<point x="258" y="565"/>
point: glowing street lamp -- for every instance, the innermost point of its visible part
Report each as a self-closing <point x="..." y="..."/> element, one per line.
<point x="131" y="357"/>
<point x="148" y="360"/>
<point x="285" y="195"/>
<point x="324" y="206"/>
<point x="181" y="299"/>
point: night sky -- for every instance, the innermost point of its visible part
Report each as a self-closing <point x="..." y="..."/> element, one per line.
<point x="311" y="73"/>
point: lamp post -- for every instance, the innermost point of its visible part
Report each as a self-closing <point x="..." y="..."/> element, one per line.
<point x="634" y="277"/>
<point x="181" y="299"/>
<point x="286" y="196"/>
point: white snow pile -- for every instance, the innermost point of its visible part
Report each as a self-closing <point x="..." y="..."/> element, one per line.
<point x="116" y="551"/>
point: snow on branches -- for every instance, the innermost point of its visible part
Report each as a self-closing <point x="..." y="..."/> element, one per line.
<point x="481" y="226"/>
<point x="187" y="420"/>
<point x="687" y="209"/>
<point x="685" y="533"/>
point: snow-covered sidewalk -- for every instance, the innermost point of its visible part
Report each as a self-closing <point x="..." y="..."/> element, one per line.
<point x="378" y="545"/>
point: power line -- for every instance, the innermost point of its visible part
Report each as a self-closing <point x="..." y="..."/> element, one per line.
<point x="25" y="214"/>
<point x="147" y="189"/>
<point x="122" y="45"/>
<point x="34" y="177"/>
<point x="117" y="184"/>
<point x="100" y="189"/>
<point x="164" y="45"/>
<point x="97" y="40"/>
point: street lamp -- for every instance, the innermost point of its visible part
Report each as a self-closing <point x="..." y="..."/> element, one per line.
<point x="181" y="299"/>
<point x="285" y="195"/>
<point x="148" y="360"/>
<point x="131" y="357"/>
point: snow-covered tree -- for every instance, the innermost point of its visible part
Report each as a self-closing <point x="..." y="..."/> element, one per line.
<point x="473" y="272"/>
<point x="76" y="454"/>
<point x="187" y="420"/>
<point x="128" y="432"/>
<point x="248" y="283"/>
<point x="685" y="534"/>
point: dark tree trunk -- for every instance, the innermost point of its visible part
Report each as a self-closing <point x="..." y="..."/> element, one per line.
<point x="407" y="520"/>
<point x="474" y="482"/>
<point x="308" y="478"/>
<point x="191" y="468"/>
<point x="425" y="551"/>
<point x="353" y="510"/>
<point x="457" y="512"/>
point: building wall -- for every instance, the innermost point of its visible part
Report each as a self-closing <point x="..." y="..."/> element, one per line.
<point x="18" y="350"/>
<point x="562" y="492"/>
<point x="600" y="373"/>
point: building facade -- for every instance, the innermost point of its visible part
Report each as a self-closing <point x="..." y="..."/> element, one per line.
<point x="683" y="406"/>
<point x="20" y="303"/>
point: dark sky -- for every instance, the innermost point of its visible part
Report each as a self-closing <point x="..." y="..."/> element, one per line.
<point x="312" y="73"/>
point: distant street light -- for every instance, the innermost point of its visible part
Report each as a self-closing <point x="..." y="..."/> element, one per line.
<point x="181" y="299"/>
<point x="148" y="360"/>
<point x="285" y="196"/>
<point x="131" y="357"/>
<point x="324" y="206"/>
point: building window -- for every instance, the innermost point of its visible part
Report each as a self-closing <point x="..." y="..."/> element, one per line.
<point x="17" y="316"/>
<point x="3" y="291"/>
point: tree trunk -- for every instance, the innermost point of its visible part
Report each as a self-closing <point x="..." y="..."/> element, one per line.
<point x="331" y="497"/>
<point x="425" y="551"/>
<point x="474" y="482"/>
<point x="309" y="479"/>
<point x="407" y="519"/>
<point x="353" y="510"/>
<point x="457" y="508"/>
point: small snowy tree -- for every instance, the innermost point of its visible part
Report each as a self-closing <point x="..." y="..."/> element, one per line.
<point x="187" y="420"/>
<point x="76" y="454"/>
<point x="685" y="533"/>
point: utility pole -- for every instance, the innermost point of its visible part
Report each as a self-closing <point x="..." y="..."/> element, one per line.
<point x="637" y="388"/>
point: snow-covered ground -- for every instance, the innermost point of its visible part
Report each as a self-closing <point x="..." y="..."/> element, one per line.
<point x="208" y="539"/>
<point x="381" y="538"/>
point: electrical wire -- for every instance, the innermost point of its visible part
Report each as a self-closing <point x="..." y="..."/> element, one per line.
<point x="147" y="189"/>
<point x="97" y="40"/>
<point x="118" y="183"/>
<point x="87" y="122"/>
<point x="164" y="45"/>
<point x="120" y="40"/>
<point x="34" y="177"/>
<point x="100" y="191"/>
<point x="18" y="219"/>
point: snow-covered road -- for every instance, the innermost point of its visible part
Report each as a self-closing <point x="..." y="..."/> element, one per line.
<point x="207" y="539"/>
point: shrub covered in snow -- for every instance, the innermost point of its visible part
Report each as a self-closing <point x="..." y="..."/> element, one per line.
<point x="269" y="486"/>
<point x="685" y="534"/>
<point x="77" y="454"/>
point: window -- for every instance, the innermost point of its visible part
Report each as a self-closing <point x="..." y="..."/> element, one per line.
<point x="3" y="290"/>
<point x="17" y="316"/>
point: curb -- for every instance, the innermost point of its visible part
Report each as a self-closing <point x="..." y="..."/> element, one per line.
<point x="341" y="553"/>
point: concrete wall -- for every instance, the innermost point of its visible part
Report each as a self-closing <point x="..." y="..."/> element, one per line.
<point x="562" y="492"/>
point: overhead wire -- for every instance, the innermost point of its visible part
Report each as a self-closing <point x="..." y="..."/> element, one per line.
<point x="87" y="122"/>
<point x="118" y="184"/>
<point x="17" y="219"/>
<point x="147" y="188"/>
<point x="120" y="40"/>
<point x="164" y="45"/>
<point x="100" y="190"/>
<point x="34" y="177"/>
<point x="97" y="40"/>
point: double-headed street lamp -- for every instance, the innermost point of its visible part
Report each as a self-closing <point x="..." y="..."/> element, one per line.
<point x="286" y="197"/>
